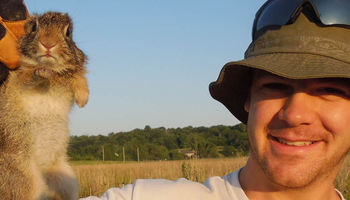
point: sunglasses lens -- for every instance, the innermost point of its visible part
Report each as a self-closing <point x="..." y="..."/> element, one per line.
<point x="279" y="12"/>
<point x="333" y="12"/>
<point x="276" y="13"/>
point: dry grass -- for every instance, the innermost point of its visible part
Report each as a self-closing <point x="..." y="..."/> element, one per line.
<point x="342" y="182"/>
<point x="96" y="177"/>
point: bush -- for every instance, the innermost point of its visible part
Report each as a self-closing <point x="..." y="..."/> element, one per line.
<point x="229" y="151"/>
<point x="176" y="155"/>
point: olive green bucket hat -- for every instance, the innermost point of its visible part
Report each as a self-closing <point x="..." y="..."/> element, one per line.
<point x="301" y="50"/>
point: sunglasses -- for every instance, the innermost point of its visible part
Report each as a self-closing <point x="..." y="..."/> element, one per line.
<point x="276" y="13"/>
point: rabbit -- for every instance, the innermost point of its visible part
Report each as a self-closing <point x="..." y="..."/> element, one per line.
<point x="35" y="102"/>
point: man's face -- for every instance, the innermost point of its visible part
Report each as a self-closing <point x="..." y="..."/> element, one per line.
<point x="299" y="130"/>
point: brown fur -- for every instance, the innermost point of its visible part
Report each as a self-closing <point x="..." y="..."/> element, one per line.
<point x="35" y="102"/>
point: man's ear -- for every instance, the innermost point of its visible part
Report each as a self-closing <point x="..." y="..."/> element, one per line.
<point x="247" y="102"/>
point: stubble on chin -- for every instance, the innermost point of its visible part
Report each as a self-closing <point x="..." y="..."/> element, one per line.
<point x="283" y="172"/>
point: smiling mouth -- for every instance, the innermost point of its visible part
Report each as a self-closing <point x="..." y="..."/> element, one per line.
<point x="294" y="143"/>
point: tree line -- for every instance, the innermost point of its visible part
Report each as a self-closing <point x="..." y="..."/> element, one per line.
<point x="161" y="143"/>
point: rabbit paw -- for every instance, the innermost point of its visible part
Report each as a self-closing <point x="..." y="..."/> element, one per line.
<point x="81" y="97"/>
<point x="42" y="73"/>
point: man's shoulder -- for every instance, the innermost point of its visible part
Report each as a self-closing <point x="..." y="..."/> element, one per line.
<point x="233" y="186"/>
<point x="214" y="188"/>
<point x="179" y="189"/>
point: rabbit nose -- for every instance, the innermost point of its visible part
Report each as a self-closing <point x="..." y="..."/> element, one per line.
<point x="48" y="44"/>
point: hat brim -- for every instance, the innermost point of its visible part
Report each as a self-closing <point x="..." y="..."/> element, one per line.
<point x="233" y="84"/>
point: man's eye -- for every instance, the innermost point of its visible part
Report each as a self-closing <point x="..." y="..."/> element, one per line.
<point x="333" y="91"/>
<point x="275" y="86"/>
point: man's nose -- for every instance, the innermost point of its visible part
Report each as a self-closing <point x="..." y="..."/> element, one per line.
<point x="298" y="109"/>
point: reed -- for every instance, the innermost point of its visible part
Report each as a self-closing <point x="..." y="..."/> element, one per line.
<point x="342" y="182"/>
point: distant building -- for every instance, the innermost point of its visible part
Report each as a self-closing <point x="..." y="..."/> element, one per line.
<point x="189" y="154"/>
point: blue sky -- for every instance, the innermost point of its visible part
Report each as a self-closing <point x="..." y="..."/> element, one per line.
<point x="150" y="62"/>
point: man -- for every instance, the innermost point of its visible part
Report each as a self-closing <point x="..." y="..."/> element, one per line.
<point x="12" y="16"/>
<point x="297" y="107"/>
<point x="293" y="91"/>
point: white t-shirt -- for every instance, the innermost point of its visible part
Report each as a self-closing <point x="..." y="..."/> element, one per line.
<point x="214" y="188"/>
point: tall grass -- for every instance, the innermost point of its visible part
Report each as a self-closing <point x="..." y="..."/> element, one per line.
<point x="96" y="177"/>
<point x="342" y="182"/>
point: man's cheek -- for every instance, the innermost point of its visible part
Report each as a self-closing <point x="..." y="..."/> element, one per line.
<point x="336" y="121"/>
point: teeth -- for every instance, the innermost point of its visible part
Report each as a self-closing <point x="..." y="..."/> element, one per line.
<point x="298" y="143"/>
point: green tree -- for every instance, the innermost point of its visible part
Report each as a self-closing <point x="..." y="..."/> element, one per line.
<point x="161" y="143"/>
<point x="229" y="151"/>
<point x="176" y="155"/>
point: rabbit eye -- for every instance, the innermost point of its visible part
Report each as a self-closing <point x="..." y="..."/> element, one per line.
<point x="68" y="32"/>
